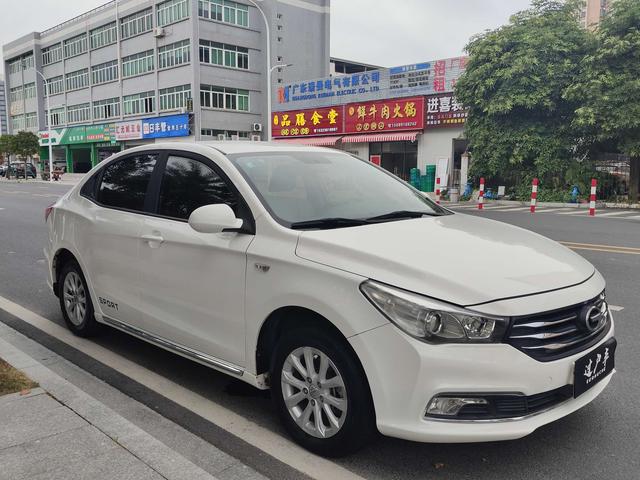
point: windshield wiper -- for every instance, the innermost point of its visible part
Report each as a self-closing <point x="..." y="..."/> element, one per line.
<point x="402" y="214"/>
<point x="327" y="223"/>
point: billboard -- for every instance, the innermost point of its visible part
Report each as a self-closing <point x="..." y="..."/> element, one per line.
<point x="390" y="115"/>
<point x="163" y="127"/>
<point x="426" y="78"/>
<point x="131" y="130"/>
<point x="311" y="122"/>
<point x="445" y="111"/>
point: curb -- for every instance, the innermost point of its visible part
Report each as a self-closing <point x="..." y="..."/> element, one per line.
<point x="146" y="448"/>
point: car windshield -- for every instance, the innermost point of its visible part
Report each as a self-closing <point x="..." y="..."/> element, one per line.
<point x="329" y="189"/>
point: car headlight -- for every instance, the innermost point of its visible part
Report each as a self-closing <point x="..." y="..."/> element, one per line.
<point x="431" y="320"/>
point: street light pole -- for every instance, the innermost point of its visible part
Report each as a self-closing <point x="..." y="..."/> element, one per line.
<point x="268" y="69"/>
<point x="50" y="139"/>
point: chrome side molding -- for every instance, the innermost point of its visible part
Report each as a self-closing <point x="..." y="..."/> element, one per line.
<point x="174" y="347"/>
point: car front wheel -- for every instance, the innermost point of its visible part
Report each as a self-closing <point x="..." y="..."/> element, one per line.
<point x="321" y="393"/>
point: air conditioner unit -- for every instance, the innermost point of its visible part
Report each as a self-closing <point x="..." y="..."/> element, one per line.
<point x="255" y="138"/>
<point x="256" y="127"/>
<point x="159" y="32"/>
<point x="235" y="137"/>
<point x="182" y="110"/>
<point x="222" y="137"/>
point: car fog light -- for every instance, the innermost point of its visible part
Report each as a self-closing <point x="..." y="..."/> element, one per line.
<point x="450" y="406"/>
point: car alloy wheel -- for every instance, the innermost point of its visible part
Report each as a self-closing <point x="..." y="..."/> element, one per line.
<point x="75" y="298"/>
<point x="314" y="392"/>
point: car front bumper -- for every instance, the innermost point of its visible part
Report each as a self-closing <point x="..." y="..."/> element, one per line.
<point x="405" y="374"/>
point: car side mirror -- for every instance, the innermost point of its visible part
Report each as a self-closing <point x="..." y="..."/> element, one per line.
<point x="214" y="219"/>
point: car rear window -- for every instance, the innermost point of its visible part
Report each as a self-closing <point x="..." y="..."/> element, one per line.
<point x="124" y="182"/>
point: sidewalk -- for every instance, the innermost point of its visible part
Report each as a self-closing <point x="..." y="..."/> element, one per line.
<point x="58" y="431"/>
<point x="67" y="179"/>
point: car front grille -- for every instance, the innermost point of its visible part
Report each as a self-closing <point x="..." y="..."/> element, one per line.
<point x="561" y="333"/>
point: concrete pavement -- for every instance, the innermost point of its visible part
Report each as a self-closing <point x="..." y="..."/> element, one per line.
<point x="61" y="431"/>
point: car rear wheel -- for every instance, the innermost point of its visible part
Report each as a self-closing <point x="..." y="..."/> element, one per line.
<point x="321" y="393"/>
<point x="75" y="301"/>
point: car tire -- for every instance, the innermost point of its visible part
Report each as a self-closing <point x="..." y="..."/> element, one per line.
<point x="349" y="402"/>
<point x="75" y="301"/>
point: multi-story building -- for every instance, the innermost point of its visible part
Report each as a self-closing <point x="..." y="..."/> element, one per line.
<point x="593" y="11"/>
<point x="131" y="71"/>
<point x="3" y="109"/>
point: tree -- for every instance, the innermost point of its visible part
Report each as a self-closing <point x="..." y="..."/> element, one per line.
<point x="6" y="149"/>
<point x="519" y="120"/>
<point x="608" y="87"/>
<point x="25" y="145"/>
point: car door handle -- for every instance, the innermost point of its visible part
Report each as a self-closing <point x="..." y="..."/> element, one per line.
<point x="152" y="239"/>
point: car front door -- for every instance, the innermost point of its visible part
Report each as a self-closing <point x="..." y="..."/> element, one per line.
<point x="193" y="286"/>
<point x="109" y="231"/>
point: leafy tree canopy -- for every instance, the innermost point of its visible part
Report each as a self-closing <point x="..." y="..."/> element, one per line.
<point x="514" y="88"/>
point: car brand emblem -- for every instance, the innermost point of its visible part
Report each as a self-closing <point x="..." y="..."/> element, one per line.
<point x="590" y="318"/>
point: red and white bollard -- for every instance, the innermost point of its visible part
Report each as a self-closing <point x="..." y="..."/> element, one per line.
<point x="481" y="194"/>
<point x="592" y="197"/>
<point x="534" y="195"/>
<point x="438" y="190"/>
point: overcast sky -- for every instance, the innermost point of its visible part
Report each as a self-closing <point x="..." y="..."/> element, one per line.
<point x="384" y="33"/>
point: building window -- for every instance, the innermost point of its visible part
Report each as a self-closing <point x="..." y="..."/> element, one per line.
<point x="136" y="24"/>
<point x="139" y="103"/>
<point x="15" y="66"/>
<point x="103" y="36"/>
<point x="31" y="120"/>
<point x="16" y="94"/>
<point x="57" y="117"/>
<point x="75" y="46"/>
<point x="214" y="53"/>
<point x="174" y="54"/>
<point x="17" y="123"/>
<point x="77" y="79"/>
<point x="55" y="85"/>
<point x="108" y="108"/>
<point x="224" y="98"/>
<point x="52" y="54"/>
<point x="137" y="64"/>
<point x="228" y="134"/>
<point x="224" y="11"/>
<point x="174" y="97"/>
<point x="105" y="72"/>
<point x="78" y="113"/>
<point x="30" y="91"/>
<point x="172" y="11"/>
<point x="28" y="61"/>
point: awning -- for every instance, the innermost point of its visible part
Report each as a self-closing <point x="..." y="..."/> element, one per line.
<point x="317" y="141"/>
<point x="381" y="137"/>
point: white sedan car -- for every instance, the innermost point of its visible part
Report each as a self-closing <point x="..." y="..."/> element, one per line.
<point x="361" y="304"/>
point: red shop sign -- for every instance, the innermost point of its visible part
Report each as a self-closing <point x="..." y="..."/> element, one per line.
<point x="311" y="122"/>
<point x="385" y="115"/>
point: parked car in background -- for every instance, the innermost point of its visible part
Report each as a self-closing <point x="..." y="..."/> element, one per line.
<point x="18" y="169"/>
<point x="359" y="302"/>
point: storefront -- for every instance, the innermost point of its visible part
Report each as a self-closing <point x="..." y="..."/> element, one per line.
<point x="77" y="149"/>
<point x="401" y="118"/>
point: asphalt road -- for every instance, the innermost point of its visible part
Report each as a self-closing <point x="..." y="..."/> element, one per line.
<point x="600" y="441"/>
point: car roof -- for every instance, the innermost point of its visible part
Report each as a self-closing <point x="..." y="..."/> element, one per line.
<point x="240" y="146"/>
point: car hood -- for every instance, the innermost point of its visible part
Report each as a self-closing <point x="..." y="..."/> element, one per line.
<point x="457" y="258"/>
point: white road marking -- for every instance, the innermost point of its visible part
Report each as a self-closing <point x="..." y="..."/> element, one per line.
<point x="616" y="308"/>
<point x="611" y="214"/>
<point x="518" y="209"/>
<point x="263" y="438"/>
<point x="576" y="211"/>
<point x="549" y="210"/>
<point x="1" y="208"/>
<point x="633" y="217"/>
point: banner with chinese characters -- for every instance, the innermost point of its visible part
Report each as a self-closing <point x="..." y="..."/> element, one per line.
<point x="445" y="111"/>
<point x="312" y="122"/>
<point x="163" y="127"/>
<point x="131" y="130"/>
<point x="425" y="78"/>
<point x="385" y="115"/>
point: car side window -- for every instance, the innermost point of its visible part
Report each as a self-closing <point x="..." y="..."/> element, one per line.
<point x="124" y="182"/>
<point x="188" y="184"/>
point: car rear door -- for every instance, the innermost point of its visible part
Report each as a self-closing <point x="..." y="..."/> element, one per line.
<point x="109" y="233"/>
<point x="193" y="286"/>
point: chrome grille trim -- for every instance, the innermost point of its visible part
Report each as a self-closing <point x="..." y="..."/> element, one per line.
<point x="560" y="333"/>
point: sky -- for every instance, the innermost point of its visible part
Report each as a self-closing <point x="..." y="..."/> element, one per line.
<point x="386" y="33"/>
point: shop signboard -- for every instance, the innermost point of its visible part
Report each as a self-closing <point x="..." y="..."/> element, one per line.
<point x="311" y="122"/>
<point x="78" y="135"/>
<point x="390" y="115"/>
<point x="100" y="133"/>
<point x="168" y="126"/>
<point x="424" y="78"/>
<point x="56" y="136"/>
<point x="131" y="130"/>
<point x="445" y="111"/>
